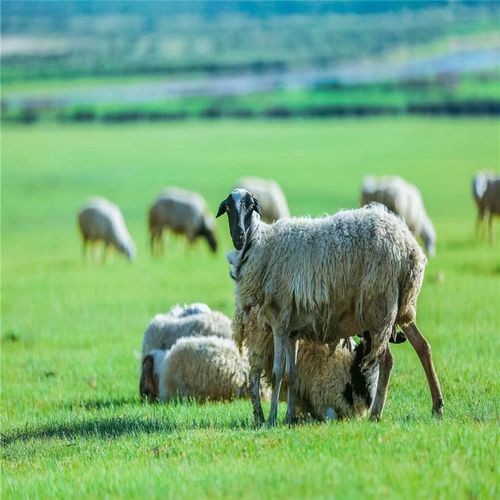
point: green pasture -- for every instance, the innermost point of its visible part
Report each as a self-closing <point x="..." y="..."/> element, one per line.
<point x="71" y="420"/>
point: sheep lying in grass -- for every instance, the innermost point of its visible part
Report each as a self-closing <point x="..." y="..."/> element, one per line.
<point x="327" y="279"/>
<point x="486" y="193"/>
<point x="101" y="220"/>
<point x="405" y="200"/>
<point x="331" y="382"/>
<point x="272" y="200"/>
<point x="183" y="212"/>
<point x="200" y="368"/>
<point x="191" y="320"/>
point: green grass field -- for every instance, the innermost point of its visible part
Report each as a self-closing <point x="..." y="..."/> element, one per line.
<point x="72" y="422"/>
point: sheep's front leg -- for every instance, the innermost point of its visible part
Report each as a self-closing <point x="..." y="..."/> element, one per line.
<point x="386" y="363"/>
<point x="258" y="414"/>
<point x="291" y="370"/>
<point x="277" y="375"/>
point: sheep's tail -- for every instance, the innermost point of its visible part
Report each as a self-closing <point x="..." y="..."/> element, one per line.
<point x="239" y="335"/>
<point x="409" y="286"/>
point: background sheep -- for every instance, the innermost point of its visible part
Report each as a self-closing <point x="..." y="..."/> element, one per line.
<point x="101" y="220"/>
<point x="405" y="200"/>
<point x="326" y="279"/>
<point x="330" y="381"/>
<point x="183" y="212"/>
<point x="165" y="330"/>
<point x="202" y="368"/>
<point x="272" y="200"/>
<point x="486" y="193"/>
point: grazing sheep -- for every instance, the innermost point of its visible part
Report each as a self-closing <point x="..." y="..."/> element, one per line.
<point x="202" y="368"/>
<point x="405" y="200"/>
<point x="183" y="212"/>
<point x="330" y="382"/>
<point x="486" y="192"/>
<point x="326" y="279"/>
<point x="273" y="205"/>
<point x="101" y="220"/>
<point x="192" y="320"/>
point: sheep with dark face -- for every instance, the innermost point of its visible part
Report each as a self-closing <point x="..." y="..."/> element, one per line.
<point x="100" y="220"/>
<point x="486" y="193"/>
<point x="182" y="212"/>
<point x="326" y="279"/>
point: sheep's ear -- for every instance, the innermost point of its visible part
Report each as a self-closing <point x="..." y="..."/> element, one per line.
<point x="256" y="205"/>
<point x="222" y="208"/>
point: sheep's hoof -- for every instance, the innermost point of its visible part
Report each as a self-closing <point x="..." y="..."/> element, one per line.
<point x="290" y="420"/>
<point x="271" y="422"/>
<point x="437" y="410"/>
<point x="375" y="417"/>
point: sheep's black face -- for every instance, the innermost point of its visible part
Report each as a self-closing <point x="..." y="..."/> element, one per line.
<point x="148" y="387"/>
<point x="239" y="205"/>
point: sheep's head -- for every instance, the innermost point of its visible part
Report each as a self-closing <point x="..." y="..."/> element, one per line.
<point x="207" y="230"/>
<point x="240" y="206"/>
<point x="148" y="387"/>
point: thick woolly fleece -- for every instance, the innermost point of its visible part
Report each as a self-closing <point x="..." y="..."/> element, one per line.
<point x="101" y="220"/>
<point x="331" y="277"/>
<point x="204" y="369"/>
<point x="165" y="330"/>
<point x="405" y="200"/>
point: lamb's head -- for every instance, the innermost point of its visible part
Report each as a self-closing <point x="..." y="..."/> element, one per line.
<point x="150" y="375"/>
<point x="240" y="206"/>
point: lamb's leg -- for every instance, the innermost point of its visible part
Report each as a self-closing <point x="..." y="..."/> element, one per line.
<point x="258" y="414"/>
<point x="291" y="370"/>
<point x="277" y="375"/>
<point x="490" y="227"/>
<point x="84" y="251"/>
<point x="423" y="350"/>
<point x="386" y="362"/>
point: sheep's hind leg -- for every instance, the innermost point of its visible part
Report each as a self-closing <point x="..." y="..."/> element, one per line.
<point x="277" y="376"/>
<point x="386" y="363"/>
<point x="291" y="370"/>
<point x="423" y="350"/>
<point x="258" y="414"/>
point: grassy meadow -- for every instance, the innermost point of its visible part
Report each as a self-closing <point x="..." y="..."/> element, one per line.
<point x="71" y="420"/>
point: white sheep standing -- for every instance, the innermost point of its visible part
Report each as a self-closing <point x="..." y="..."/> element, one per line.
<point x="101" y="220"/>
<point x="405" y="200"/>
<point x="191" y="320"/>
<point x="182" y="212"/>
<point x="326" y="279"/>
<point x="486" y="193"/>
<point x="331" y="382"/>
<point x="272" y="200"/>
<point x="200" y="368"/>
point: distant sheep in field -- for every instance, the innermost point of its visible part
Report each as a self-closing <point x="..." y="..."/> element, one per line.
<point x="200" y="368"/>
<point x="273" y="204"/>
<point x="328" y="279"/>
<point x="331" y="382"/>
<point x="101" y="220"/>
<point x="486" y="193"/>
<point x="182" y="212"/>
<point x="191" y="320"/>
<point x="405" y="200"/>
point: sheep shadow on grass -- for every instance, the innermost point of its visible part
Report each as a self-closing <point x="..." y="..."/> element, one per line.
<point x="115" y="427"/>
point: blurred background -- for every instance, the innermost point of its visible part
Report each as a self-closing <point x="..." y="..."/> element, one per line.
<point x="113" y="61"/>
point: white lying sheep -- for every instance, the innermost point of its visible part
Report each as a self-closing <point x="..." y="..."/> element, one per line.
<point x="405" y="200"/>
<point x="200" y="368"/>
<point x="328" y="279"/>
<point x="182" y="212"/>
<point x="100" y="220"/>
<point x="189" y="321"/>
<point x="486" y="193"/>
<point x="273" y="204"/>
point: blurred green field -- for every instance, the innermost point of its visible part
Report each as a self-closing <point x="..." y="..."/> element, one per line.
<point x="72" y="423"/>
